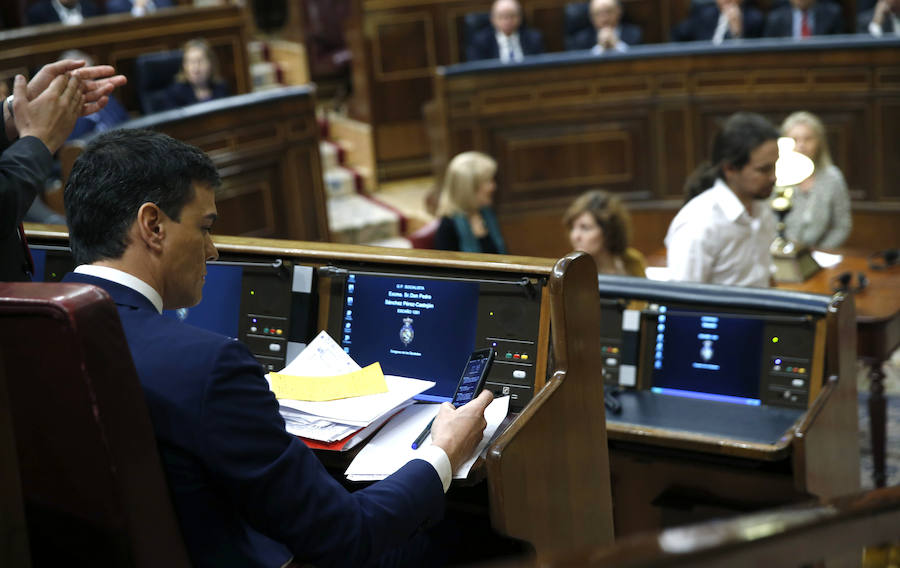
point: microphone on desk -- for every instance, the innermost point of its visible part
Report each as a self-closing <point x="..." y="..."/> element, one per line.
<point x="611" y="402"/>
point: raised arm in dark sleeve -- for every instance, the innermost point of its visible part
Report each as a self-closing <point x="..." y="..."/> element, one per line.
<point x="24" y="165"/>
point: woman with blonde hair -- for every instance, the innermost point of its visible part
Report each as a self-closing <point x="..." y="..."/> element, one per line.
<point x="199" y="79"/>
<point x="820" y="214"/>
<point x="468" y="222"/>
<point x="599" y="225"/>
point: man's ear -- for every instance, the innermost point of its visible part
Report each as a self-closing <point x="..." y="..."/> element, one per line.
<point x="150" y="225"/>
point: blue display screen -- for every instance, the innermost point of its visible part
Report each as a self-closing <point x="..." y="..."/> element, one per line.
<point x="219" y="310"/>
<point x="701" y="353"/>
<point x="414" y="327"/>
<point x="40" y="261"/>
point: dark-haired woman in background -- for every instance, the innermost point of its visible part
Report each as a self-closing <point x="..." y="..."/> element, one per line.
<point x="468" y="222"/>
<point x="198" y="80"/>
<point x="599" y="225"/>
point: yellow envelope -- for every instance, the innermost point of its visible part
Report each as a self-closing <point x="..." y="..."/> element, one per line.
<point x="368" y="380"/>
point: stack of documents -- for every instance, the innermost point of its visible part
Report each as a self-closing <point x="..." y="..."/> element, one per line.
<point x="338" y="423"/>
<point x="392" y="447"/>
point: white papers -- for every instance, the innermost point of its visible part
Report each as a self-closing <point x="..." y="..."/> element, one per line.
<point x="321" y="358"/>
<point x="392" y="447"/>
<point x="333" y="420"/>
<point x="361" y="410"/>
<point x="657" y="273"/>
<point x="825" y="259"/>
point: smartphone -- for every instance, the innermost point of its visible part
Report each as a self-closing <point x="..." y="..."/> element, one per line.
<point x="472" y="381"/>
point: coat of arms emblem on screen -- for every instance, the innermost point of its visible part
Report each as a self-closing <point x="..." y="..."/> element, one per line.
<point x="407" y="332"/>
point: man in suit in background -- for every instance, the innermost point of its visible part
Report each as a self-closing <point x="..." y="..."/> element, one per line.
<point x="69" y="12"/>
<point x="137" y="8"/>
<point x="507" y="39"/>
<point x="140" y="207"/>
<point x="882" y="20"/>
<point x="805" y="18"/>
<point x="719" y="21"/>
<point x="608" y="33"/>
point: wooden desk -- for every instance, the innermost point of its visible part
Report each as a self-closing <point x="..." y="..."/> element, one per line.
<point x="878" y="334"/>
<point x="548" y="473"/>
<point x="877" y="330"/>
<point x="680" y="460"/>
<point x="119" y="38"/>
<point x="638" y="123"/>
<point x="266" y="148"/>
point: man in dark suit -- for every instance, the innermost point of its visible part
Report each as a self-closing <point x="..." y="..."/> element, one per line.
<point x="882" y="20"/>
<point x="805" y="18"/>
<point x="71" y="12"/>
<point x="140" y="207"/>
<point x="720" y="21"/>
<point x="608" y="33"/>
<point x="37" y="118"/>
<point x="507" y="39"/>
<point x="136" y="8"/>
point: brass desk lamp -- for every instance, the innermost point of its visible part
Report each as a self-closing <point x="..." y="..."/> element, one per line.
<point x="793" y="261"/>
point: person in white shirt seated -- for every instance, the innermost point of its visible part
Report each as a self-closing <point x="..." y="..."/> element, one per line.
<point x="723" y="233"/>
<point x="506" y="39"/>
<point x="881" y="21"/>
<point x="609" y="32"/>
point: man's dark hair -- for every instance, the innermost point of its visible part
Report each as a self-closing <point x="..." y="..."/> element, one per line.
<point x="118" y="172"/>
<point x="741" y="134"/>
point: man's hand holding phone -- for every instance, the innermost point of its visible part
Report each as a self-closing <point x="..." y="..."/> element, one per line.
<point x="458" y="430"/>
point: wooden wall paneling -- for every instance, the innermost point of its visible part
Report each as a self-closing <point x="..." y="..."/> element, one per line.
<point x="245" y="202"/>
<point x="672" y="143"/>
<point x="533" y="119"/>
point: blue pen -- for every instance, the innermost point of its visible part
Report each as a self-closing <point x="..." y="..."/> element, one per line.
<point x="421" y="438"/>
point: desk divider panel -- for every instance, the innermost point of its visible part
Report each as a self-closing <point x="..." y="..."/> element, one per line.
<point x="558" y="442"/>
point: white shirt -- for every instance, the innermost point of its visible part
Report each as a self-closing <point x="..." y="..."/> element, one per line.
<point x="713" y="239"/>
<point x="125" y="279"/>
<point x="139" y="11"/>
<point x="510" y="47"/>
<point x="620" y="47"/>
<point x="721" y="29"/>
<point x="434" y="455"/>
<point x="875" y="29"/>
<point x="68" y="16"/>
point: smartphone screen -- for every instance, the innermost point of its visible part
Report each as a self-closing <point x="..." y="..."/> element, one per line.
<point x="472" y="381"/>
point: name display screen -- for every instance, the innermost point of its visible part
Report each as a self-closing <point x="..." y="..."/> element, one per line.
<point x="414" y="327"/>
<point x="707" y="355"/>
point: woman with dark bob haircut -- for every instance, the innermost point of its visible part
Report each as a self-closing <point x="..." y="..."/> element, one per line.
<point x="599" y="225"/>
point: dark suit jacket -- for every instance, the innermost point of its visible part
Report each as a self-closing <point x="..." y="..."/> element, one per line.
<point x="827" y="16"/>
<point x="246" y="492"/>
<point x="587" y="38"/>
<point x="43" y="13"/>
<point x="483" y="44"/>
<point x="701" y="24"/>
<point x="862" y="24"/>
<point x="121" y="6"/>
<point x="24" y="167"/>
<point x="180" y="94"/>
